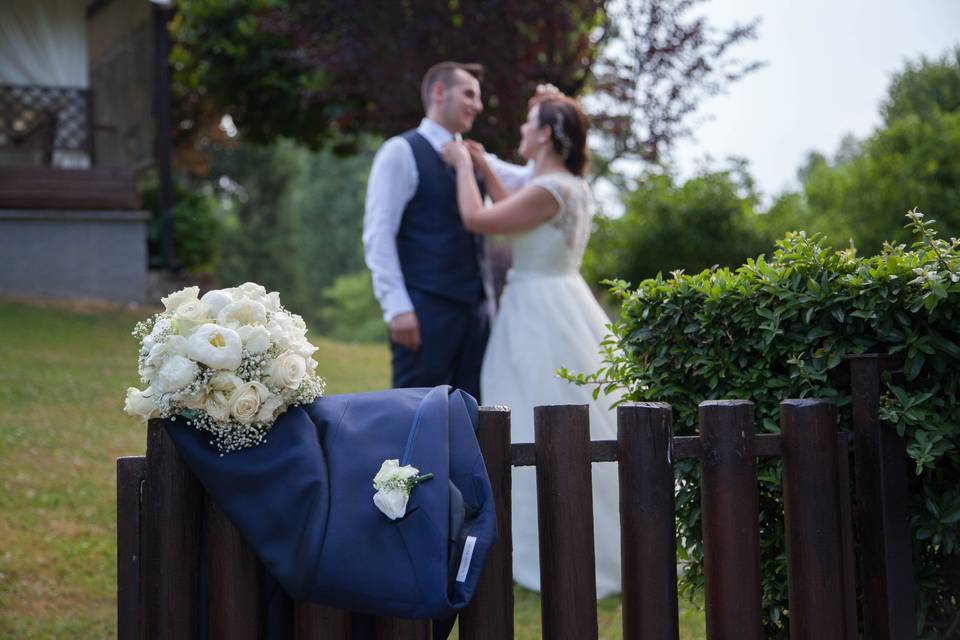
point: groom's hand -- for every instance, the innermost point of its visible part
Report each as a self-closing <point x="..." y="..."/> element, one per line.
<point x="405" y="330"/>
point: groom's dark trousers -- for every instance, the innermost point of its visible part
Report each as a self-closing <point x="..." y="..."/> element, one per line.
<point x="453" y="337"/>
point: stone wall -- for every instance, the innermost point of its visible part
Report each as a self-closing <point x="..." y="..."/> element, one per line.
<point x="75" y="255"/>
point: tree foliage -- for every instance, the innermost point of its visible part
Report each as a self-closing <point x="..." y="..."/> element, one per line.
<point x="708" y="220"/>
<point x="292" y="219"/>
<point x="911" y="160"/>
<point x="323" y="72"/>
<point x="661" y="64"/>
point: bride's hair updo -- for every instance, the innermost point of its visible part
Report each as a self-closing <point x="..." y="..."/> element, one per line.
<point x="569" y="125"/>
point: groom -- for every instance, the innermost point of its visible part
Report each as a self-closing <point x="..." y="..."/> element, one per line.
<point x="426" y="266"/>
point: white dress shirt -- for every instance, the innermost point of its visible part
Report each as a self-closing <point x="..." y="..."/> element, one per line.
<point x="393" y="182"/>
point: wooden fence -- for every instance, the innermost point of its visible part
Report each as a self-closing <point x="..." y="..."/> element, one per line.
<point x="161" y="508"/>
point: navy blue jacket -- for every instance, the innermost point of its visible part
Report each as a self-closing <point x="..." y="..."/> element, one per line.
<point x="303" y="500"/>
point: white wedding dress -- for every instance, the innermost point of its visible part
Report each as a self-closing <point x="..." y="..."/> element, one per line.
<point x="549" y="318"/>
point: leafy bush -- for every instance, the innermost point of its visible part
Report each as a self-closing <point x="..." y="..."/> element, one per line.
<point x="777" y="328"/>
<point x="196" y="230"/>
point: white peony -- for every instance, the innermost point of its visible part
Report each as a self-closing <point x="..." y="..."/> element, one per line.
<point x="141" y="404"/>
<point x="176" y="373"/>
<point x="256" y="339"/>
<point x="246" y="400"/>
<point x="215" y="346"/>
<point x="216" y="299"/>
<point x="242" y="312"/>
<point x="287" y="370"/>
<point x="177" y="298"/>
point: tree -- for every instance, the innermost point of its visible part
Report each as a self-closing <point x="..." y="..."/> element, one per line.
<point x="322" y="72"/>
<point x="912" y="160"/>
<point x="708" y="220"/>
<point x="661" y="64"/>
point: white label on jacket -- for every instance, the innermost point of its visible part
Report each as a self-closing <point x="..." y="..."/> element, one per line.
<point x="465" y="558"/>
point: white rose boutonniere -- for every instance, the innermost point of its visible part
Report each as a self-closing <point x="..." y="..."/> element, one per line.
<point x="394" y="484"/>
<point x="230" y="363"/>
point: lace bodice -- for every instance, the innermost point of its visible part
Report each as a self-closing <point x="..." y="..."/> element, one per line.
<point x="557" y="246"/>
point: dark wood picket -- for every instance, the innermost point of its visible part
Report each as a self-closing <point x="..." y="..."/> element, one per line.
<point x="160" y="508"/>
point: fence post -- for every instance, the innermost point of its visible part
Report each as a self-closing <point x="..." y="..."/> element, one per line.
<point x="170" y="547"/>
<point x="729" y="503"/>
<point x="883" y="510"/>
<point x="130" y="472"/>
<point x="490" y="613"/>
<point x="647" y="521"/>
<point x="234" y="575"/>
<point x="812" y="520"/>
<point x="568" y="579"/>
<point x="316" y="622"/>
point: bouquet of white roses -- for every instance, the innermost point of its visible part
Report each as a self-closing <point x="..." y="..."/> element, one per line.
<point x="229" y="362"/>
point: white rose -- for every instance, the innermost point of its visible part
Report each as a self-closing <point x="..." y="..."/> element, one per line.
<point x="392" y="473"/>
<point x="215" y="346"/>
<point x="246" y="400"/>
<point x="250" y="290"/>
<point x="256" y="339"/>
<point x="176" y="373"/>
<point x="216" y="299"/>
<point x="304" y="348"/>
<point x="140" y="404"/>
<point x="288" y="370"/>
<point x="242" y="312"/>
<point x="270" y="408"/>
<point x="392" y="502"/>
<point x="190" y="315"/>
<point x="177" y="298"/>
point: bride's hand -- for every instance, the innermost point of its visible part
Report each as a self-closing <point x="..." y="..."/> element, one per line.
<point x="543" y="92"/>
<point x="456" y="154"/>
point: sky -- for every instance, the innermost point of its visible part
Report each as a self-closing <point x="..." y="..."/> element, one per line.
<point x="828" y="66"/>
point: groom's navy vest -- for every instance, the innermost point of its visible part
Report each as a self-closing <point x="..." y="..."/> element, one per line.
<point x="437" y="254"/>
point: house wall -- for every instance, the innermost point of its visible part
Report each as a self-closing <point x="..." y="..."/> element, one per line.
<point x="74" y="255"/>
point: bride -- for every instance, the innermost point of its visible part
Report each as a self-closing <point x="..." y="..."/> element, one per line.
<point x="548" y="316"/>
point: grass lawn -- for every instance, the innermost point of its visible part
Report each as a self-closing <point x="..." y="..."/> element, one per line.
<point x="63" y="375"/>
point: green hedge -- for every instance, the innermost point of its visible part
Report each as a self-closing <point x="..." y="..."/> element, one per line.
<point x="196" y="231"/>
<point x="775" y="329"/>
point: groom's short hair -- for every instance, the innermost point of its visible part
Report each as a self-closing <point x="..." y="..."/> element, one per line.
<point x="444" y="72"/>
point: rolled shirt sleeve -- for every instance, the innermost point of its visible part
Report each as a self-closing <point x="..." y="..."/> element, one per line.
<point x="392" y="183"/>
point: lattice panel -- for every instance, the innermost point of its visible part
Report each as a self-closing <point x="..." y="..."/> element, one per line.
<point x="49" y="118"/>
